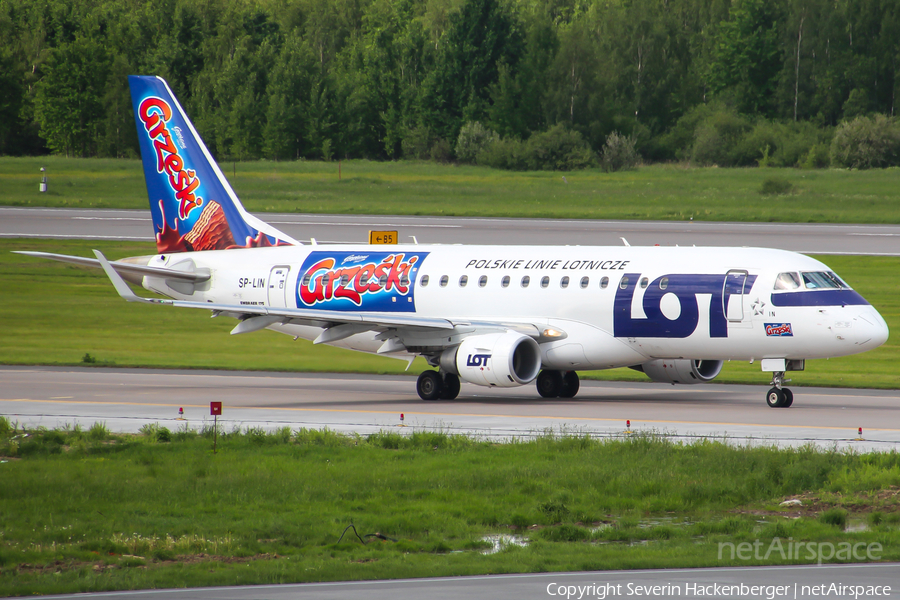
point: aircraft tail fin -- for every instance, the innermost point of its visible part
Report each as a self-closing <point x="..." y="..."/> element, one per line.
<point x="193" y="205"/>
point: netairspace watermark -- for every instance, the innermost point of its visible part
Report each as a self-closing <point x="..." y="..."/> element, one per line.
<point x="790" y="550"/>
<point x="602" y="591"/>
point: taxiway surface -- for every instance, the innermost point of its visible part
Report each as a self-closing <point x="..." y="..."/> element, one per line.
<point x="127" y="399"/>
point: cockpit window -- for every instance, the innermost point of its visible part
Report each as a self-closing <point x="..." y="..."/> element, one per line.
<point x="822" y="280"/>
<point x="787" y="281"/>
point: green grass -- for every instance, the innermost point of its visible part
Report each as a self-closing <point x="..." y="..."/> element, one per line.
<point x="55" y="313"/>
<point x="84" y="511"/>
<point x="421" y="188"/>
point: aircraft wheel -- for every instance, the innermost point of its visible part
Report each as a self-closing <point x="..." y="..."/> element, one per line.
<point x="549" y="383"/>
<point x="451" y="387"/>
<point x="570" y="385"/>
<point x="788" y="397"/>
<point x="429" y="385"/>
<point x="775" y="398"/>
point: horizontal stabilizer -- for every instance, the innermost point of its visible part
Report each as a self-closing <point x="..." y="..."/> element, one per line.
<point x="198" y="276"/>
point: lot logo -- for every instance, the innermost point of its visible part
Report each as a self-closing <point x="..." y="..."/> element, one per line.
<point x="684" y="291"/>
<point x="380" y="281"/>
<point x="779" y="330"/>
<point x="477" y="360"/>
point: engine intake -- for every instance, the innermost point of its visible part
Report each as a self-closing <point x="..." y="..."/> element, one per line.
<point x="494" y="359"/>
<point x="686" y="371"/>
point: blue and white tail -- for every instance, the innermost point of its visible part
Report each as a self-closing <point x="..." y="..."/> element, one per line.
<point x="193" y="205"/>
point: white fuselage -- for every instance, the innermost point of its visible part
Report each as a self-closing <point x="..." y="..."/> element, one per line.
<point x="693" y="303"/>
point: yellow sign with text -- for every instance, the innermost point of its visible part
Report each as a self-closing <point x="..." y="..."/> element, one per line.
<point x="382" y="237"/>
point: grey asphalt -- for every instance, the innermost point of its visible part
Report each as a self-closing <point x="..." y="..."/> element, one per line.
<point x="803" y="237"/>
<point x="127" y="399"/>
<point x="772" y="583"/>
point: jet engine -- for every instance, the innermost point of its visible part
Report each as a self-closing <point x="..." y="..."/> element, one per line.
<point x="494" y="359"/>
<point x="681" y="370"/>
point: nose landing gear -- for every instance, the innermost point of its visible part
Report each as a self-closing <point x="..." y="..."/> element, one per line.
<point x="778" y="396"/>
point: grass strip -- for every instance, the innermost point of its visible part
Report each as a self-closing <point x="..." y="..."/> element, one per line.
<point x="59" y="314"/>
<point x="89" y="511"/>
<point x="667" y="192"/>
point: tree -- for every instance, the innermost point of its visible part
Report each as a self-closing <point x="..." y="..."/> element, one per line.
<point x="68" y="105"/>
<point x="746" y="57"/>
<point x="481" y="35"/>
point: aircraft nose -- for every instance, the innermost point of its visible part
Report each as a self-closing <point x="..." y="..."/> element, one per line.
<point x="871" y="329"/>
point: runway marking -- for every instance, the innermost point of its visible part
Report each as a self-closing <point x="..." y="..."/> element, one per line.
<point x="440" y="414"/>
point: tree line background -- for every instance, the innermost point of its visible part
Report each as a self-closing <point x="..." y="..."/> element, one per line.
<point x="509" y="83"/>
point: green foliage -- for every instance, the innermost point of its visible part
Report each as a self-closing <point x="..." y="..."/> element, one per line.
<point x="417" y="143"/>
<point x="473" y="138"/>
<point x="776" y="186"/>
<point x="836" y="517"/>
<point x="746" y="55"/>
<point x="68" y="100"/>
<point x="619" y="153"/>
<point x="565" y="533"/>
<point x="137" y="513"/>
<point x="98" y="432"/>
<point x="717" y="138"/>
<point x="327" y="80"/>
<point x="866" y="143"/>
<point x="557" y="149"/>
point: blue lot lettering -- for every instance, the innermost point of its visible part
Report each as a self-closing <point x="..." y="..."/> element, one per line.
<point x="477" y="360"/>
<point x="685" y="287"/>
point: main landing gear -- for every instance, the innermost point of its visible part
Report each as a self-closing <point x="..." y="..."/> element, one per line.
<point x="778" y="396"/>
<point x="433" y="385"/>
<point x="557" y="384"/>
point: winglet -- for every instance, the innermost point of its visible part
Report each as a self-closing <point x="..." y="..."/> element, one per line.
<point x="117" y="280"/>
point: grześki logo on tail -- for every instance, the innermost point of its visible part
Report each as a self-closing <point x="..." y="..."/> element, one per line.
<point x="193" y="206"/>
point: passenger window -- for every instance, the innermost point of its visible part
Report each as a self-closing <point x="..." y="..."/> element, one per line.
<point x="444" y="280"/>
<point x="482" y="281"/>
<point x="345" y="279"/>
<point x="604" y="282"/>
<point x="545" y="281"/>
<point x="404" y="280"/>
<point x="787" y="281"/>
<point x="423" y="281"/>
<point x="463" y="280"/>
<point x="644" y="283"/>
<point x="584" y="282"/>
<point x="505" y="281"/>
<point x="623" y="284"/>
<point x="382" y="281"/>
<point x="525" y="281"/>
<point x="306" y="280"/>
<point x="564" y="282"/>
<point x="663" y="283"/>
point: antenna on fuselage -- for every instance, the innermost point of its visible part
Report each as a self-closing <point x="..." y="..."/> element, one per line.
<point x="624" y="241"/>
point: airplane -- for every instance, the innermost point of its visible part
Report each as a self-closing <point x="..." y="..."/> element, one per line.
<point x="493" y="316"/>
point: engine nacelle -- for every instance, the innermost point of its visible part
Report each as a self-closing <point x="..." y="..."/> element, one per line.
<point x="682" y="370"/>
<point x="495" y="359"/>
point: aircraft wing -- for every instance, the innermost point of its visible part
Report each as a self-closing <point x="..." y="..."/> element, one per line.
<point x="337" y="324"/>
